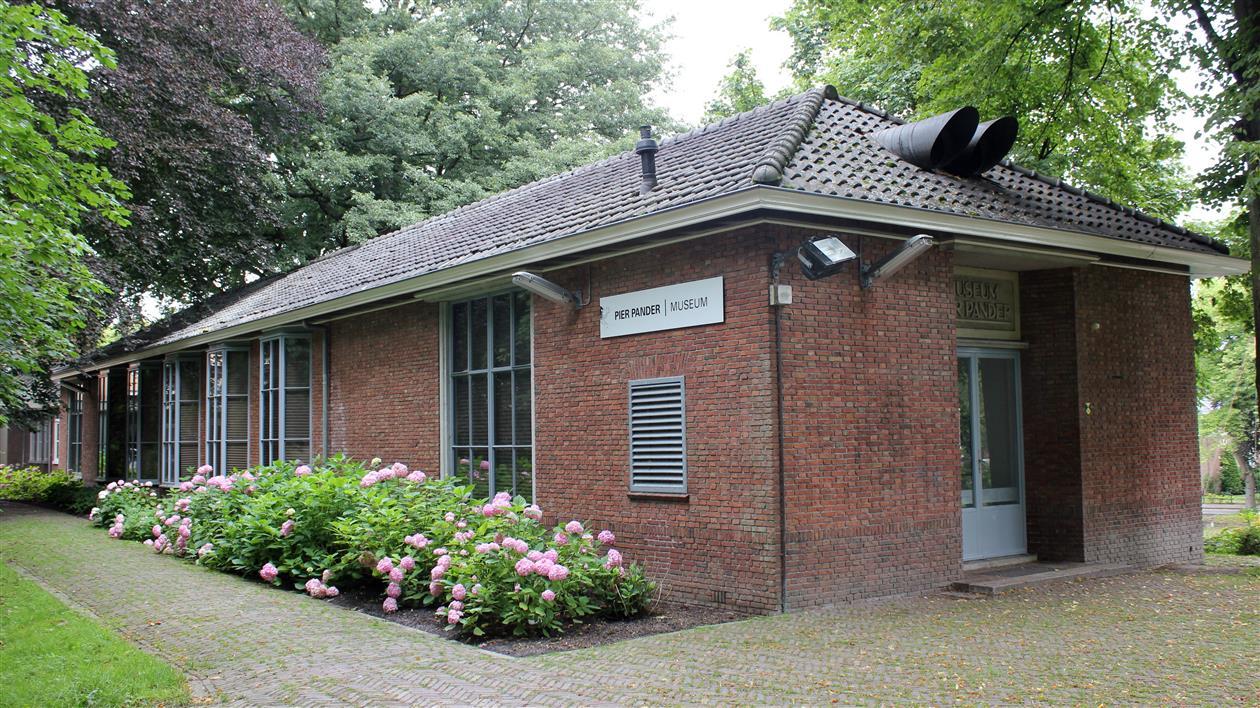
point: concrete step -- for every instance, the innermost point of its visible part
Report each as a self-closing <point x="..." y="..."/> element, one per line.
<point x="987" y="582"/>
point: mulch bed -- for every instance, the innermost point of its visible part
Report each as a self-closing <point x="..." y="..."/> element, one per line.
<point x="669" y="617"/>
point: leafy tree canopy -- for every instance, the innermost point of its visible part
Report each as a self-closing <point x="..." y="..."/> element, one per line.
<point x="740" y="90"/>
<point x="48" y="183"/>
<point x="202" y="97"/>
<point x="1089" y="82"/>
<point x="433" y="105"/>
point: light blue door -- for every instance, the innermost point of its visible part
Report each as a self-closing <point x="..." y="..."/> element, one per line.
<point x="991" y="443"/>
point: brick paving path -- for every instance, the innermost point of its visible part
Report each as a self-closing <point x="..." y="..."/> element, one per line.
<point x="1144" y="638"/>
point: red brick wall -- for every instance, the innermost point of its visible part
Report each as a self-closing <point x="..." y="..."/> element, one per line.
<point x="1139" y="437"/>
<point x="871" y="427"/>
<point x="385" y="377"/>
<point x="91" y="431"/>
<point x="724" y="536"/>
<point x="1052" y="447"/>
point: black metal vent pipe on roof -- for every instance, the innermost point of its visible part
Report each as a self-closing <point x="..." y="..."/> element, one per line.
<point x="646" y="147"/>
<point x="932" y="142"/>
<point x="990" y="143"/>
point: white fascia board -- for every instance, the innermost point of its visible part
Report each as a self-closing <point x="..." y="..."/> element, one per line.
<point x="699" y="212"/>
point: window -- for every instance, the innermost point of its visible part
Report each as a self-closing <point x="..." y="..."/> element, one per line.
<point x="55" y="451"/>
<point x="74" y="425"/>
<point x="492" y="430"/>
<point x="658" y="436"/>
<point x="144" y="411"/>
<point x="180" y="400"/>
<point x="102" y="424"/>
<point x="38" y="442"/>
<point x="285" y="398"/>
<point x="227" y="409"/>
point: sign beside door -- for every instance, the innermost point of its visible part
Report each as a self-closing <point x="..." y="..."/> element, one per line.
<point x="986" y="303"/>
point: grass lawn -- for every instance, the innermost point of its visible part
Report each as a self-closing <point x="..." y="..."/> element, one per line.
<point x="51" y="655"/>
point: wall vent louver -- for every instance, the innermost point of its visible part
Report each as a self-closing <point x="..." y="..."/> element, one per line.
<point x="658" y="437"/>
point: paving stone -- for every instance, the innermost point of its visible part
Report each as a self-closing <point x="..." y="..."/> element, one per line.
<point x="1163" y="637"/>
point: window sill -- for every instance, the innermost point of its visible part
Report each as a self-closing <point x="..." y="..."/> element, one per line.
<point x="659" y="496"/>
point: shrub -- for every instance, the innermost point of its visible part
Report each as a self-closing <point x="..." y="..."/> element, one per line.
<point x="35" y="484"/>
<point x="1240" y="541"/>
<point x="487" y="566"/>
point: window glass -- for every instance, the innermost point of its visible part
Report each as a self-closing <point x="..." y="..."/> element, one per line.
<point x="491" y="431"/>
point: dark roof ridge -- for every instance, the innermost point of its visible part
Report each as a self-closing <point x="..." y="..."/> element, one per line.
<point x="769" y="168"/>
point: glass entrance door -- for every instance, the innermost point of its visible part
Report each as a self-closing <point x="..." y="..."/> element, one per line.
<point x="992" y="454"/>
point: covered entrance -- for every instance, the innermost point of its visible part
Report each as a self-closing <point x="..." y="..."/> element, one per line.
<point x="992" y="453"/>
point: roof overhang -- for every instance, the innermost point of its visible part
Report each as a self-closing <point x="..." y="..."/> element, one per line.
<point x="746" y="202"/>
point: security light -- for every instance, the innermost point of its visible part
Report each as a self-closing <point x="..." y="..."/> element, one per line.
<point x="896" y="260"/>
<point x="546" y="289"/>
<point x="823" y="257"/>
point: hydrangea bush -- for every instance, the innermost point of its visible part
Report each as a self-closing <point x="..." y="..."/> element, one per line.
<point x="485" y="566"/>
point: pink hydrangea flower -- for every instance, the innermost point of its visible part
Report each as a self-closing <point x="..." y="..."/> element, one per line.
<point x="184" y="533"/>
<point x="533" y="512"/>
<point x="557" y="573"/>
<point x="331" y="592"/>
<point x="186" y="486"/>
<point x="368" y="480"/>
<point x="457" y="605"/>
<point x="396" y="574"/>
<point x="459" y="592"/>
<point x="407" y="563"/>
<point x="302" y="471"/>
<point x="326" y="576"/>
<point x="157" y="530"/>
<point x="476" y="589"/>
<point x="573" y="527"/>
<point x="439" y="551"/>
<point x="606" y="537"/>
<point x="417" y="477"/>
<point x="437" y="572"/>
<point x="534" y="555"/>
<point x="286" y="528"/>
<point x="487" y="547"/>
<point x="548" y="595"/>
<point x="384" y="565"/>
<point x="613" y="559"/>
<point x="205" y="470"/>
<point x="205" y="550"/>
<point x="485" y="465"/>
<point x="552" y="555"/>
<point x="416" y="541"/>
<point x="435" y="588"/>
<point x="390" y="605"/>
<point x="268" y="572"/>
<point x="450" y="517"/>
<point x="560" y="539"/>
<point x="393" y="590"/>
<point x="453" y="616"/>
<point x="524" y="566"/>
<point x="314" y="587"/>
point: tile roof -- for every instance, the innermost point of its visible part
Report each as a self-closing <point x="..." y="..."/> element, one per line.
<point x="814" y="142"/>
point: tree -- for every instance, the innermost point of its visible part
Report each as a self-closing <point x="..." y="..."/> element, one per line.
<point x="202" y="97"/>
<point x="48" y="182"/>
<point x="1224" y="39"/>
<point x="429" y="106"/>
<point x="1087" y="81"/>
<point x="740" y="90"/>
<point x="1226" y="366"/>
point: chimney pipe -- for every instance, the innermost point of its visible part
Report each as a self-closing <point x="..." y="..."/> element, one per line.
<point x="646" y="147"/>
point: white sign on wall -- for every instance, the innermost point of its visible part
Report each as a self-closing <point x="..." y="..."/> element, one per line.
<point x="699" y="302"/>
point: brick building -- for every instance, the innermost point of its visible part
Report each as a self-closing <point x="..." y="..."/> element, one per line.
<point x="721" y="372"/>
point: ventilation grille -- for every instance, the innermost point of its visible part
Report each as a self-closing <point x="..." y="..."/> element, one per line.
<point x="658" y="440"/>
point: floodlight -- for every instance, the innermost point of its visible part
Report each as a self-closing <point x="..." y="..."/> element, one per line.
<point x="546" y="289"/>
<point x="823" y="257"/>
<point x="895" y="261"/>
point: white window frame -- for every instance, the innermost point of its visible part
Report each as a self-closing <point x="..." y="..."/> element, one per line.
<point x="55" y="452"/>
<point x="273" y="395"/>
<point x="74" y="432"/>
<point x="216" y="410"/>
<point x="174" y="437"/>
<point x="449" y="460"/>
<point x="135" y="442"/>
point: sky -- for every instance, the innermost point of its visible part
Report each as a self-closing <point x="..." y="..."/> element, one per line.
<point x="707" y="34"/>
